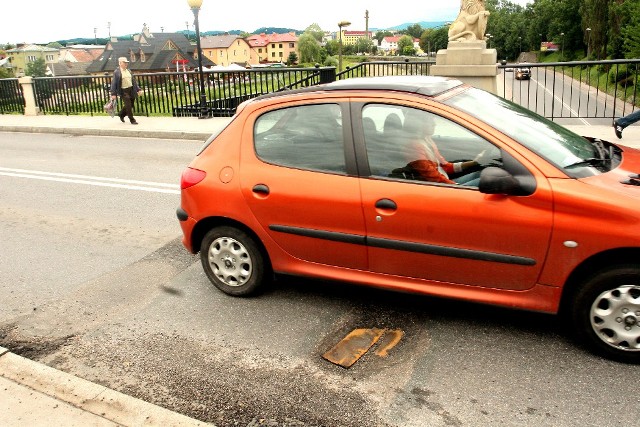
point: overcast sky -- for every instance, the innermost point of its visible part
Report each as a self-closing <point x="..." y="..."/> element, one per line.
<point x="42" y="21"/>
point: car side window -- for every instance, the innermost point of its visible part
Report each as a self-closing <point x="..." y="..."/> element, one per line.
<point x="412" y="144"/>
<point x="303" y="137"/>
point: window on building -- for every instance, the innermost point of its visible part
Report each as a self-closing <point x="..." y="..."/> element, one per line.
<point x="31" y="58"/>
<point x="280" y="45"/>
<point x="49" y="58"/>
<point x="291" y="46"/>
<point x="259" y="50"/>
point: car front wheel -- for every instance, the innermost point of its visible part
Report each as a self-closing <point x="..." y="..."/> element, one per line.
<point x="232" y="261"/>
<point x="606" y="313"/>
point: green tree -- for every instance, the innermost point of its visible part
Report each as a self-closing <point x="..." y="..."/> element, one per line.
<point x="309" y="48"/>
<point x="405" y="45"/>
<point x="55" y="45"/>
<point x="292" y="59"/>
<point x="414" y="30"/>
<point x="364" y="45"/>
<point x="315" y="30"/>
<point x="382" y="34"/>
<point x="631" y="32"/>
<point x="332" y="47"/>
<point x="5" y="73"/>
<point x="37" y="68"/>
<point x="433" y="39"/>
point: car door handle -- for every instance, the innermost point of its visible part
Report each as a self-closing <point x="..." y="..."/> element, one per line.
<point x="386" y="204"/>
<point x="261" y="189"/>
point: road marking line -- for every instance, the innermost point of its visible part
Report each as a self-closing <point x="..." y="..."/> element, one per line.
<point x="568" y="107"/>
<point x="155" y="187"/>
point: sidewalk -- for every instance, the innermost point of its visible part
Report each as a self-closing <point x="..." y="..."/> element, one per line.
<point x="32" y="394"/>
<point x="192" y="128"/>
<point x="188" y="128"/>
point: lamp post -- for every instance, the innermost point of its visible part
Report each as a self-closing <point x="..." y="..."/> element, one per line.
<point x="109" y="29"/>
<point x="341" y="24"/>
<point x="195" y="8"/>
<point x="488" y="36"/>
<point x="562" y="48"/>
<point x="588" y="43"/>
<point x="95" y="34"/>
<point x="520" y="51"/>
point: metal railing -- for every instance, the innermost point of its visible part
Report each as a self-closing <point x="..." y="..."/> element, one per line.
<point x="387" y="68"/>
<point x="11" y="98"/>
<point x="581" y="89"/>
<point x="591" y="89"/>
<point x="173" y="93"/>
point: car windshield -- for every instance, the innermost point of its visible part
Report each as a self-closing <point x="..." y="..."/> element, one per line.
<point x="573" y="154"/>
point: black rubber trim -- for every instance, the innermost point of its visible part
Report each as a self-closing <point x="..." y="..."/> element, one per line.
<point x="405" y="246"/>
<point x="447" y="251"/>
<point x="182" y="214"/>
<point x="321" y="234"/>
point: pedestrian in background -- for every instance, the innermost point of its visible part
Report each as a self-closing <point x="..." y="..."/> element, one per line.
<point x="125" y="85"/>
<point x="623" y="122"/>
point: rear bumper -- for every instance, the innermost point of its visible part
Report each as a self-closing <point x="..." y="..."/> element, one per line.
<point x="187" y="224"/>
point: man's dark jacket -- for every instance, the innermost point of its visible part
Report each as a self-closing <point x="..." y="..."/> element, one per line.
<point x="116" y="83"/>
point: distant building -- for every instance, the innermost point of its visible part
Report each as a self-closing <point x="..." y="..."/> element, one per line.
<point x="549" y="47"/>
<point x="148" y="53"/>
<point x="23" y="55"/>
<point x="75" y="59"/>
<point x="352" y="37"/>
<point x="225" y="50"/>
<point x="389" y="44"/>
<point x="272" y="48"/>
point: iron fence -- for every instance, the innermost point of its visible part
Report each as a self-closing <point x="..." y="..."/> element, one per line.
<point x="11" y="98"/>
<point x="581" y="89"/>
<point x="590" y="89"/>
<point x="387" y="68"/>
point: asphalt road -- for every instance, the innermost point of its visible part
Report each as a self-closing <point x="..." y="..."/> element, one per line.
<point x="94" y="281"/>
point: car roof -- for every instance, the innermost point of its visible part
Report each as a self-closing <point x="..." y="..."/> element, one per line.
<point x="424" y="85"/>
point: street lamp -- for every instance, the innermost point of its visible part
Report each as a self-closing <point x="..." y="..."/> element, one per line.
<point x="488" y="36"/>
<point x="195" y="8"/>
<point x="588" y="43"/>
<point x="341" y="24"/>
<point x="520" y="52"/>
<point x="95" y="34"/>
<point x="562" y="48"/>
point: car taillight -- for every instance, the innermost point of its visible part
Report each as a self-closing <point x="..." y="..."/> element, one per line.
<point x="191" y="177"/>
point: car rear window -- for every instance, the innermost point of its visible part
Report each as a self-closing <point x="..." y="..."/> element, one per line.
<point x="303" y="137"/>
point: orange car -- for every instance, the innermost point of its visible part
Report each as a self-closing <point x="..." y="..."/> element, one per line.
<point x="423" y="184"/>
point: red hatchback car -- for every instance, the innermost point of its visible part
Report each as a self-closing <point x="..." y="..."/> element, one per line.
<point x="426" y="185"/>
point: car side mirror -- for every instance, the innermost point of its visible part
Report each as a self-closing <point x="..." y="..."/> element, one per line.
<point x="495" y="180"/>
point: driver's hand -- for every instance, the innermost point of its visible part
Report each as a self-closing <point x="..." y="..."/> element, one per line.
<point x="484" y="158"/>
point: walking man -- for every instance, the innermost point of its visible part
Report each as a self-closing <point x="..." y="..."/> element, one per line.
<point x="623" y="122"/>
<point x="125" y="85"/>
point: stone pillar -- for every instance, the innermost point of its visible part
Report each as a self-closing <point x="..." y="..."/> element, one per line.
<point x="30" y="105"/>
<point x="470" y="62"/>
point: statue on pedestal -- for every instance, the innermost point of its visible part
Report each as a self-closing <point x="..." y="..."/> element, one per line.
<point x="471" y="22"/>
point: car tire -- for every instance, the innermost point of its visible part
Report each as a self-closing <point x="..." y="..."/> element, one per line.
<point x="605" y="313"/>
<point x="232" y="261"/>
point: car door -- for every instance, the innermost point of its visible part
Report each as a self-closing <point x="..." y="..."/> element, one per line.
<point x="448" y="232"/>
<point x="300" y="185"/>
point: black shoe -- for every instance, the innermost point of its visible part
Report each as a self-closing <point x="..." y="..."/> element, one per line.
<point x="121" y="118"/>
<point x="133" y="122"/>
<point x="617" y="129"/>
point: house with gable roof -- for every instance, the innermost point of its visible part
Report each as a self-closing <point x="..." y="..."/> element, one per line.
<point x="22" y="55"/>
<point x="226" y="49"/>
<point x="149" y="53"/>
<point x="272" y="48"/>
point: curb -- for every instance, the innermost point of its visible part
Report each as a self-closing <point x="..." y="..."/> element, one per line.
<point x="89" y="397"/>
<point x="158" y="134"/>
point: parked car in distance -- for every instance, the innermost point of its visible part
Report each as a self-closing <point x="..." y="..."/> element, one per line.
<point x="423" y="185"/>
<point x="523" y="73"/>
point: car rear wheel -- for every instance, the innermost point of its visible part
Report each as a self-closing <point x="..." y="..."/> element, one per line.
<point x="606" y="313"/>
<point x="232" y="261"/>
